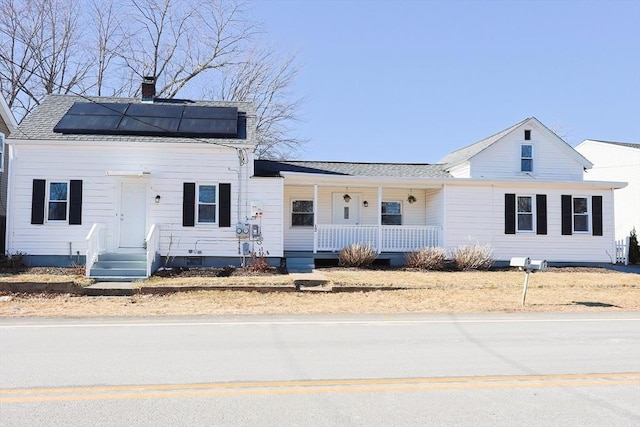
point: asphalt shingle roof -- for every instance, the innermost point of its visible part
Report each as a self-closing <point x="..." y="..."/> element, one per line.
<point x="399" y="170"/>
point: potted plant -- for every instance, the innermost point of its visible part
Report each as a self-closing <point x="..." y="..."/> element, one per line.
<point x="411" y="198"/>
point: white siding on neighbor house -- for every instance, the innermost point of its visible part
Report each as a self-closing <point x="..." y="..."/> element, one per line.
<point x="552" y="158"/>
<point x="476" y="215"/>
<point x="613" y="162"/>
<point x="169" y="166"/>
<point x="301" y="238"/>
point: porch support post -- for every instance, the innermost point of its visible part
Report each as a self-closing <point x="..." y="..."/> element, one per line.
<point x="379" y="219"/>
<point x="315" y="218"/>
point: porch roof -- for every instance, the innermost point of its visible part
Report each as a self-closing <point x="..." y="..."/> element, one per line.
<point x="272" y="168"/>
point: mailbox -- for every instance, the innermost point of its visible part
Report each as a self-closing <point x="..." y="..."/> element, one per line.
<point x="521" y="262"/>
<point x="538" y="264"/>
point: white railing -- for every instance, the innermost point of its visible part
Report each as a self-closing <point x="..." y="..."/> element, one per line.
<point x="385" y="238"/>
<point x="622" y="251"/>
<point x="152" y="242"/>
<point x="96" y="244"/>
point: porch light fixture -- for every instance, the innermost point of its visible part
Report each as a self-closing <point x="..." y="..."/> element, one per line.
<point x="157" y="199"/>
<point x="347" y="197"/>
<point x="365" y="204"/>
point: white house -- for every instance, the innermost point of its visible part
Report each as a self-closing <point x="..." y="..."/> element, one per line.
<point x="520" y="191"/>
<point x="617" y="161"/>
<point x="120" y="183"/>
<point x="125" y="184"/>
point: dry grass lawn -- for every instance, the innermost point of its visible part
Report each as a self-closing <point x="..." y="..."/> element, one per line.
<point x="432" y="292"/>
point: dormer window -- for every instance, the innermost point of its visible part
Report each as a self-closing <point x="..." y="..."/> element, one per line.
<point x="527" y="135"/>
<point x="526" y="158"/>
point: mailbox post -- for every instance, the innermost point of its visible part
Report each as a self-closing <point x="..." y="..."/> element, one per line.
<point x="529" y="266"/>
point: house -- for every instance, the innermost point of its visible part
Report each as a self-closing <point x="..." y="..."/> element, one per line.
<point x="8" y="125"/>
<point x="122" y="184"/>
<point x="617" y="161"/>
<point x="520" y="191"/>
<point x="125" y="185"/>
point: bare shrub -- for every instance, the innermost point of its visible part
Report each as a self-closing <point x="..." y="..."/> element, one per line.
<point x="427" y="259"/>
<point x="473" y="257"/>
<point x="357" y="256"/>
<point x="259" y="262"/>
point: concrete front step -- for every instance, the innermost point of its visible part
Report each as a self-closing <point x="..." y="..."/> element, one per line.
<point x="121" y="267"/>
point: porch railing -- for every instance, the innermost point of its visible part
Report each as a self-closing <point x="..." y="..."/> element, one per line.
<point x="152" y="243"/>
<point x="384" y="238"/>
<point x="96" y="244"/>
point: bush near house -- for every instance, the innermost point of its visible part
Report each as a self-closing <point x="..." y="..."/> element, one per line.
<point x="634" y="247"/>
<point x="427" y="259"/>
<point x="473" y="257"/>
<point x="357" y="256"/>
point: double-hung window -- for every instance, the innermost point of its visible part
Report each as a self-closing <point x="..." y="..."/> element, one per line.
<point x="391" y="213"/>
<point x="580" y="215"/>
<point x="207" y="202"/>
<point x="57" y="201"/>
<point x="526" y="158"/>
<point x="524" y="213"/>
<point x="302" y="213"/>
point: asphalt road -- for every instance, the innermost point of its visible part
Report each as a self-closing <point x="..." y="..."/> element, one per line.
<point x="361" y="370"/>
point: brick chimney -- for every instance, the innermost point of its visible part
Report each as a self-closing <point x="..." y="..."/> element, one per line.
<point x="148" y="88"/>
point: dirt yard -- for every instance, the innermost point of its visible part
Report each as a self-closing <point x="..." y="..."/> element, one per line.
<point x="574" y="289"/>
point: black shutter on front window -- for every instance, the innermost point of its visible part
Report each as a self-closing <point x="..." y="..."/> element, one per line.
<point x="75" y="202"/>
<point x="225" y="205"/>
<point x="596" y="206"/>
<point x="188" y="204"/>
<point x="509" y="214"/>
<point x="567" y="223"/>
<point x="541" y="214"/>
<point x="37" y="201"/>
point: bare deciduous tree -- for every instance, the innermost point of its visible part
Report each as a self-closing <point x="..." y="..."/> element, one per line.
<point x="267" y="80"/>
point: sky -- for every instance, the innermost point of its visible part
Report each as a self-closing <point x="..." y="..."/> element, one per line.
<point x="410" y="81"/>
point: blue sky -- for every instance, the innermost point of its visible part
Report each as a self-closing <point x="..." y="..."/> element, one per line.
<point x="410" y="81"/>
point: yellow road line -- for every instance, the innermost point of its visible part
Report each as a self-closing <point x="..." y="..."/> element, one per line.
<point x="159" y="391"/>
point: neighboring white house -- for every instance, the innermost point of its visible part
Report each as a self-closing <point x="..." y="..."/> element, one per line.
<point x="617" y="161"/>
<point x="122" y="184"/>
<point x="8" y="125"/>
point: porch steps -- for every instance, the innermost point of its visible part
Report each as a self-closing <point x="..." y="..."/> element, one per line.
<point x="300" y="265"/>
<point x="120" y="267"/>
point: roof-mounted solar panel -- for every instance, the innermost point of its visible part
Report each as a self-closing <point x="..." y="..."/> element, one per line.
<point x="166" y="120"/>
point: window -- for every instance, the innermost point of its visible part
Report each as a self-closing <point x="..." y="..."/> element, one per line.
<point x="302" y="213"/>
<point x="526" y="158"/>
<point x="527" y="135"/>
<point x="207" y="203"/>
<point x="525" y="213"/>
<point x="58" y="201"/>
<point x="391" y="213"/>
<point x="580" y="215"/>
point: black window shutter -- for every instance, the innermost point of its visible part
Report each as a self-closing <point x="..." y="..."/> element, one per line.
<point x="541" y="214"/>
<point x="37" y="201"/>
<point x="596" y="206"/>
<point x="188" y="204"/>
<point x="75" y="202"/>
<point x="567" y="223"/>
<point x="225" y="205"/>
<point x="509" y="213"/>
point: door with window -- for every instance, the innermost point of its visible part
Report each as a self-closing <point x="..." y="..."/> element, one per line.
<point x="346" y="210"/>
<point x="133" y="215"/>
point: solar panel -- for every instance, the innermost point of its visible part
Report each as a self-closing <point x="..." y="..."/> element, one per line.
<point x="167" y="120"/>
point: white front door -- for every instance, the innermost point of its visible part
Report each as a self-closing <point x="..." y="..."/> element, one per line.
<point x="347" y="213"/>
<point x="133" y="215"/>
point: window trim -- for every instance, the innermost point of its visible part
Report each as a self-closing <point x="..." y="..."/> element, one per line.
<point x="48" y="201"/>
<point x="521" y="158"/>
<point x="216" y="204"/>
<point x="383" y="215"/>
<point x="532" y="213"/>
<point x="292" y="213"/>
